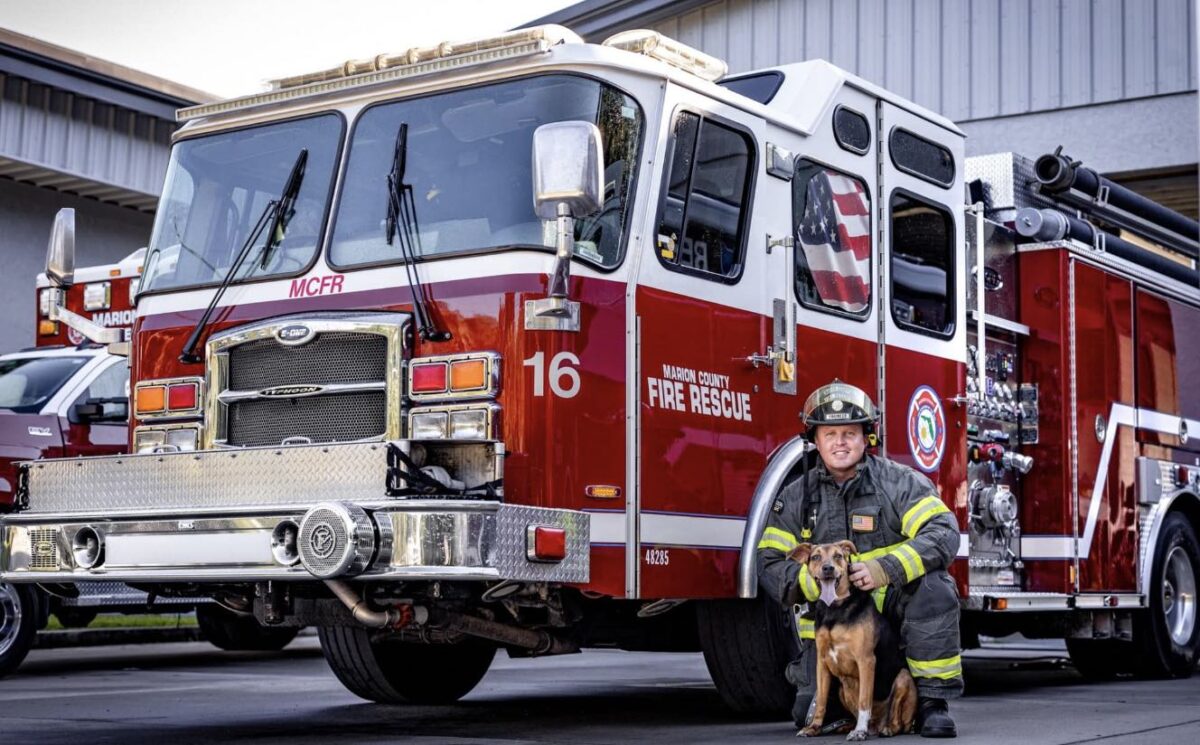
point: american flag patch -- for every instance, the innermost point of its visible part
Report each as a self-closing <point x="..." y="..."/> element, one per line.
<point x="862" y="523"/>
<point x="835" y="234"/>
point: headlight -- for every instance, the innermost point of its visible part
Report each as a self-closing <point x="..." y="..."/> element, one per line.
<point x="428" y="426"/>
<point x="147" y="439"/>
<point x="97" y="296"/>
<point x="44" y="302"/>
<point x="469" y="424"/>
<point x="474" y="422"/>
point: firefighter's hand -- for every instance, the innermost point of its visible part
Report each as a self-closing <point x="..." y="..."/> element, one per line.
<point x="867" y="575"/>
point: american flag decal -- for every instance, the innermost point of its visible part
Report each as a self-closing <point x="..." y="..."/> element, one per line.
<point x="835" y="234"/>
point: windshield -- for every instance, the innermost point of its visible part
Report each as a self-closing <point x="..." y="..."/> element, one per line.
<point x="469" y="162"/>
<point x="27" y="383"/>
<point x="217" y="188"/>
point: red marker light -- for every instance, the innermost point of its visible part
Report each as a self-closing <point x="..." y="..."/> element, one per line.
<point x="544" y="543"/>
<point x="428" y="378"/>
<point x="182" y="396"/>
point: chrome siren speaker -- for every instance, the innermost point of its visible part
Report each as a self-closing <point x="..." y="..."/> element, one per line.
<point x="335" y="538"/>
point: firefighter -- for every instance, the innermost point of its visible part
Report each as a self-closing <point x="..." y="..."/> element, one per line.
<point x="906" y="538"/>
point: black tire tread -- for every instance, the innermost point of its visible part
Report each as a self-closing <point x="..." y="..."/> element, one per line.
<point x="31" y="613"/>
<point x="746" y="653"/>
<point x="380" y="670"/>
<point x="1159" y="658"/>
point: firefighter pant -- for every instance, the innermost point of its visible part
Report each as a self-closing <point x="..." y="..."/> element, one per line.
<point x="926" y="611"/>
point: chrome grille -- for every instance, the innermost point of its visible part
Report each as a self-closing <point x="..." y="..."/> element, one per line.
<point x="330" y="358"/>
<point x="44" y="556"/>
<point x="341" y="385"/>
<point x="344" y="417"/>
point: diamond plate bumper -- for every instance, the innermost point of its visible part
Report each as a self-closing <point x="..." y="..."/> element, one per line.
<point x="225" y="516"/>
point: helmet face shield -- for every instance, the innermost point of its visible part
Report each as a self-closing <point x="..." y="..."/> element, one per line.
<point x="839" y="403"/>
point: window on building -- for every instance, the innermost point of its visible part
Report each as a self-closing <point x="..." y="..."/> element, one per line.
<point x="922" y="265"/>
<point x="701" y="220"/>
<point x="831" y="221"/>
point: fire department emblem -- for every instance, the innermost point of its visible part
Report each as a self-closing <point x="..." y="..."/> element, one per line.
<point x="926" y="429"/>
<point x="75" y="337"/>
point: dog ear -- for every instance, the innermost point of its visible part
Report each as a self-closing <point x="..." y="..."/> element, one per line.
<point x="800" y="553"/>
<point x="848" y="548"/>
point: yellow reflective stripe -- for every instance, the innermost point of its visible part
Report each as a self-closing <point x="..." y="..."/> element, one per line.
<point x="878" y="595"/>
<point x="920" y="513"/>
<point x="875" y="553"/>
<point x="768" y="543"/>
<point x="944" y="669"/>
<point x="808" y="585"/>
<point x="808" y="628"/>
<point x="782" y="535"/>
<point x="910" y="560"/>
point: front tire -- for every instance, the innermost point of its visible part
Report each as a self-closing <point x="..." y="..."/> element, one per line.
<point x="387" y="671"/>
<point x="19" y="613"/>
<point x="227" y="630"/>
<point x="747" y="646"/>
<point x="1168" y="633"/>
<point x="75" y="618"/>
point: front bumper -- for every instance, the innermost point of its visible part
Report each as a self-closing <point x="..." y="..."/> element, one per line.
<point x="257" y="514"/>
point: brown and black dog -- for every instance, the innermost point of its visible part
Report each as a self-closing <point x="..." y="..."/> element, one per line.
<point x="858" y="645"/>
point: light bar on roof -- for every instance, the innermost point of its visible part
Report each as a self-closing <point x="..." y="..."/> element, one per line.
<point x="666" y="49"/>
<point x="390" y="67"/>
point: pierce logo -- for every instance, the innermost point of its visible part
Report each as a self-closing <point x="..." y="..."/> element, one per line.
<point x="323" y="541"/>
<point x="281" y="391"/>
<point x="294" y="334"/>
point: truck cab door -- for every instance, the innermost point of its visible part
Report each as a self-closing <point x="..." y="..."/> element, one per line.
<point x="922" y="279"/>
<point x="701" y="314"/>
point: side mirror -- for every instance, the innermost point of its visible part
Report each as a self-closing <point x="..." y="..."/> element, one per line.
<point x="568" y="169"/>
<point x="60" y="253"/>
<point x="568" y="182"/>
<point x="99" y="410"/>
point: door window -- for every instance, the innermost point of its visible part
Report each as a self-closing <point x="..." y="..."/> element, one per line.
<point x="701" y="221"/>
<point x="112" y="383"/>
<point x="831" y="215"/>
<point x="922" y="265"/>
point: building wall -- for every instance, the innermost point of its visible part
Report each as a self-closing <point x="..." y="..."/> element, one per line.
<point x="966" y="59"/>
<point x="103" y="234"/>
<point x="1114" y="80"/>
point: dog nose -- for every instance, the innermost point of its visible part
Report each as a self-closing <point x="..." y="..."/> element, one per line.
<point x="827" y="571"/>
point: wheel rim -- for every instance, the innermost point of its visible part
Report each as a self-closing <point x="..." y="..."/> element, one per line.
<point x="1179" y="596"/>
<point x="10" y="616"/>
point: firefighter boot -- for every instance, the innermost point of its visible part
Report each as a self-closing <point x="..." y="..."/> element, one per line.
<point x="933" y="719"/>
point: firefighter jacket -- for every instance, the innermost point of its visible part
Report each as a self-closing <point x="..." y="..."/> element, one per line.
<point x="890" y="512"/>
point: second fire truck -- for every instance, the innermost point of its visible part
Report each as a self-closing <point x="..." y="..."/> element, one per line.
<point x="502" y="345"/>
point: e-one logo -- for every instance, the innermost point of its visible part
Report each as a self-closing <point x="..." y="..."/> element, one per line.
<point x="294" y="334"/>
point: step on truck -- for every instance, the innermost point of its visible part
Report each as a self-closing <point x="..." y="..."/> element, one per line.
<point x="501" y="344"/>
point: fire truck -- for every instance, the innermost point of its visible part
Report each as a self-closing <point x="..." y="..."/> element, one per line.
<point x="502" y="344"/>
<point x="103" y="293"/>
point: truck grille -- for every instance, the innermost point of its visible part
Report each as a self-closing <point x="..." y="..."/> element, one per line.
<point x="336" y="357"/>
<point x="346" y="374"/>
<point x="344" y="417"/>
<point x="44" y="555"/>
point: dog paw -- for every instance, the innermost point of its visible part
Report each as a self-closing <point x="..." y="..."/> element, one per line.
<point x="809" y="731"/>
<point x="887" y="732"/>
<point x="857" y="735"/>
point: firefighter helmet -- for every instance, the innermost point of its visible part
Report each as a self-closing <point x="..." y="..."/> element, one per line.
<point x="839" y="403"/>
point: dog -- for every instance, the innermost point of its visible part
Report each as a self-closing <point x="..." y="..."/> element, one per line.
<point x="859" y="646"/>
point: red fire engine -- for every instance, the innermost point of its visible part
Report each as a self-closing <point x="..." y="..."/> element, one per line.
<point x="379" y="389"/>
<point x="103" y="294"/>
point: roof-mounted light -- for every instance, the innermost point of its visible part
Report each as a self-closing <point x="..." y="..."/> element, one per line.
<point x="666" y="49"/>
<point x="390" y="67"/>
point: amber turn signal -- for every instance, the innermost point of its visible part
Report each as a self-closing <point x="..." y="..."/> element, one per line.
<point x="468" y="375"/>
<point x="47" y="328"/>
<point x="150" y="399"/>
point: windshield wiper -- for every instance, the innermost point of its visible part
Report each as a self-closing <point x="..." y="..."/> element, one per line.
<point x="278" y="213"/>
<point x="402" y="224"/>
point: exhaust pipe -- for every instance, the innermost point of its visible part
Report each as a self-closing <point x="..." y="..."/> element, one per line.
<point x="539" y="642"/>
<point x="389" y="618"/>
